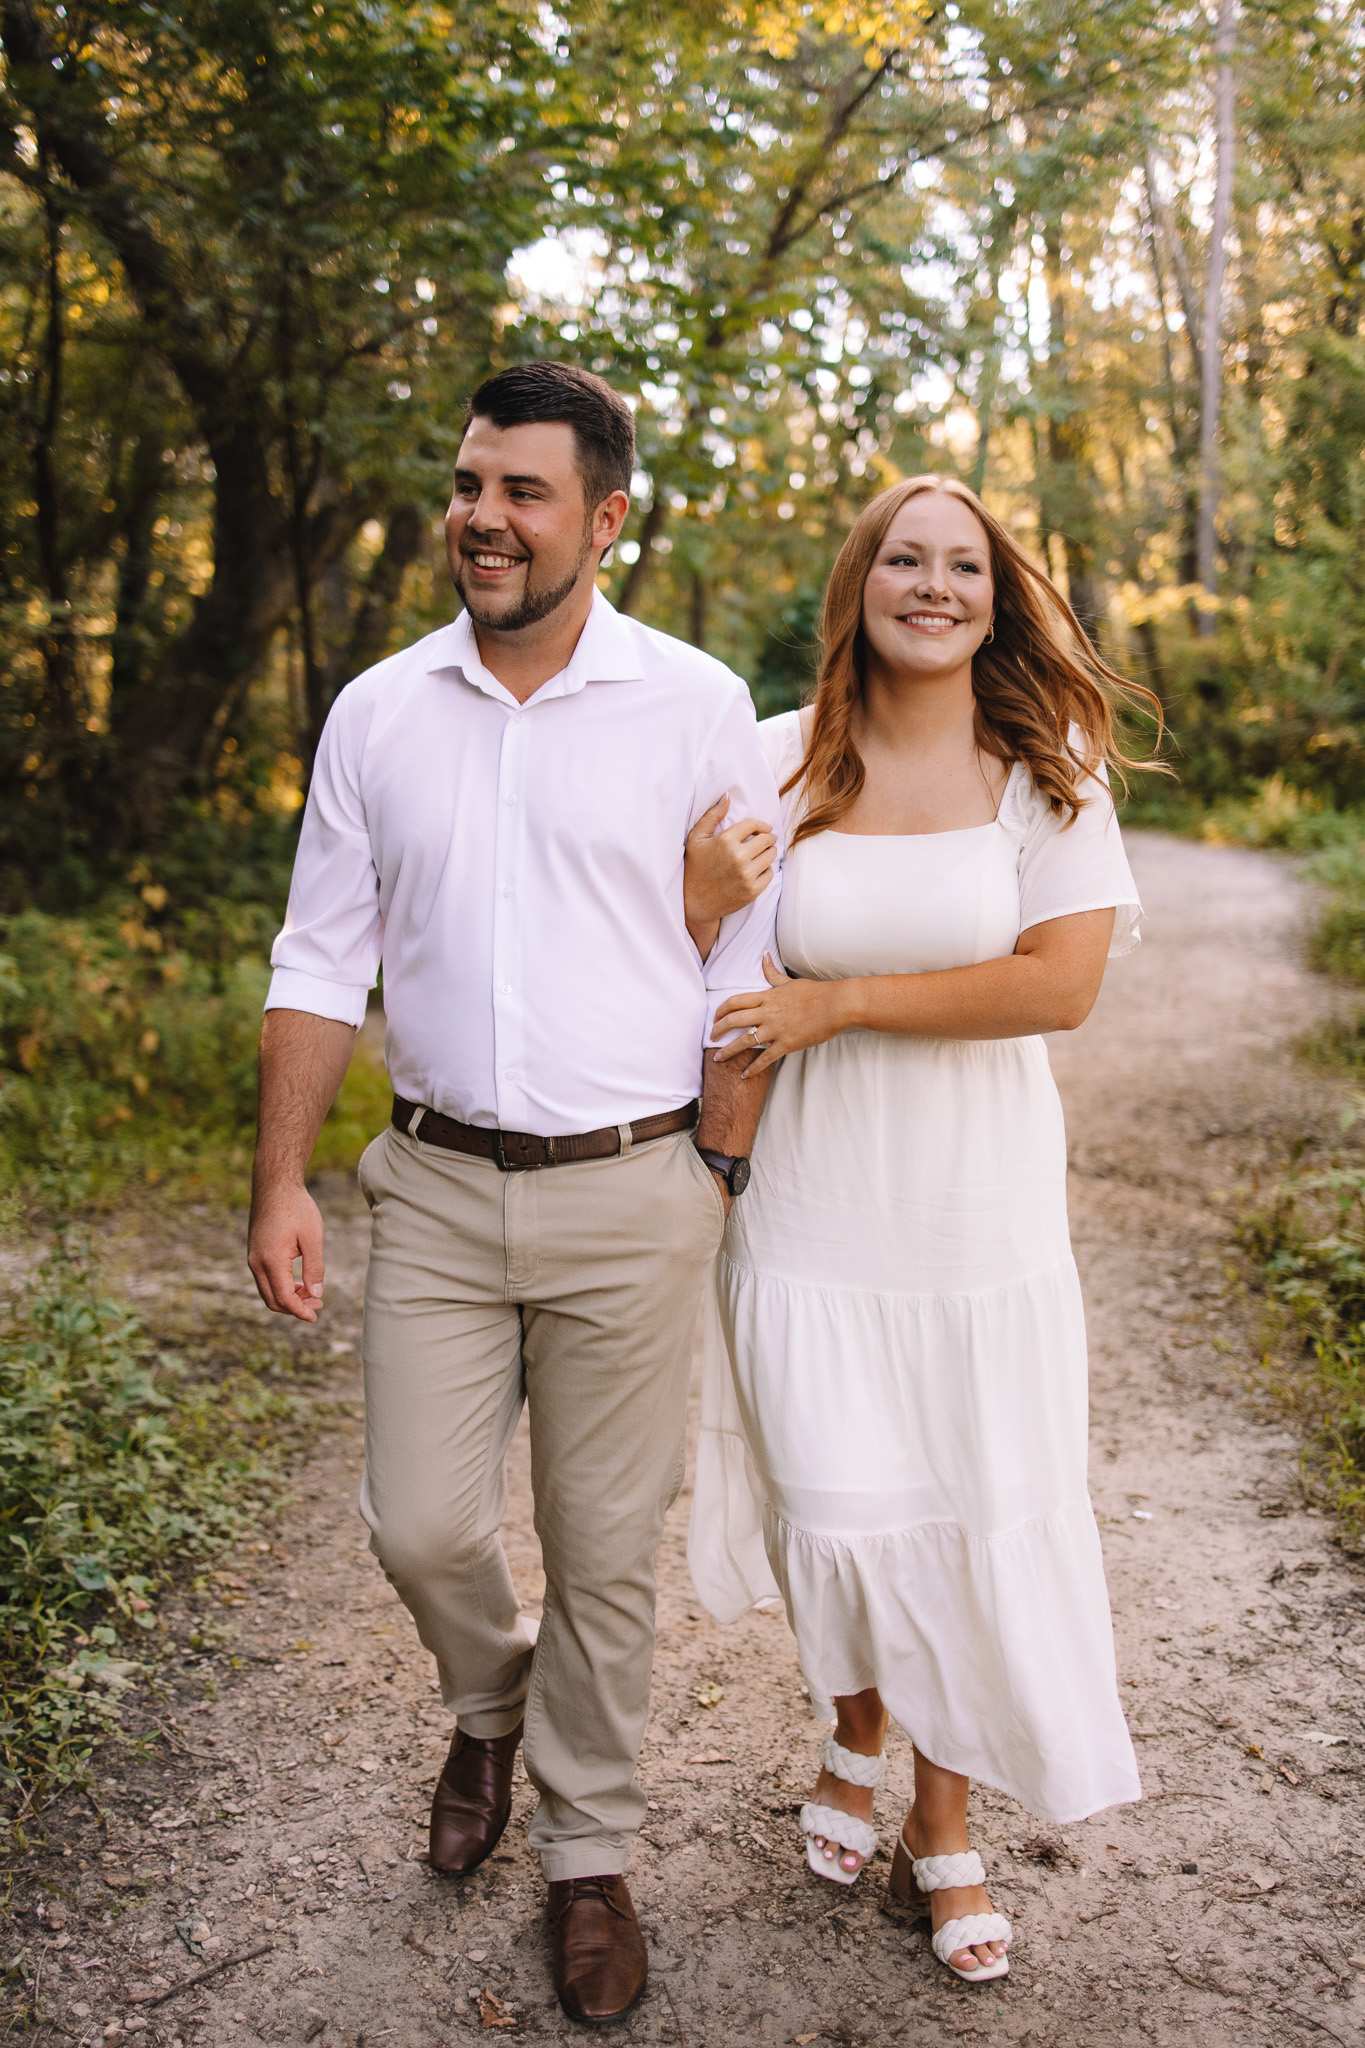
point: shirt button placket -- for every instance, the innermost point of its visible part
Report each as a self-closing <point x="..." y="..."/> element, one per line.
<point x="507" y="1000"/>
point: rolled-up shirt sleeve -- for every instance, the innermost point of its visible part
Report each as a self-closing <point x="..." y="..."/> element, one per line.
<point x="735" y="761"/>
<point x="326" y="959"/>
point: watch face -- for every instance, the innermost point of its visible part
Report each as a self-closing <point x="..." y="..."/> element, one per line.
<point x="738" y="1176"/>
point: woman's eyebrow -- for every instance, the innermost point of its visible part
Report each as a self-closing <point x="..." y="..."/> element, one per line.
<point x="970" y="547"/>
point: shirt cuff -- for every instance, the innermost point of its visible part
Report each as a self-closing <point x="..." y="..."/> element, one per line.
<point x="291" y="989"/>
<point x="714" y="998"/>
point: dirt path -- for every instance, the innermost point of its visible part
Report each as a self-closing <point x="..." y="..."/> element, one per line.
<point x="1226" y="1908"/>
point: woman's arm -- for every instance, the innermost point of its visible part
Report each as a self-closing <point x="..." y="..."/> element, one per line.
<point x="1049" y="983"/>
<point x="722" y="871"/>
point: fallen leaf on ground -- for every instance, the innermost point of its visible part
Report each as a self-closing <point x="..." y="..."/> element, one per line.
<point x="493" y="2013"/>
<point x="709" y="1695"/>
<point x="1261" y="1886"/>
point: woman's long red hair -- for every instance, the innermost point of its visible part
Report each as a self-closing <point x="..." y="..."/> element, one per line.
<point x="1037" y="679"/>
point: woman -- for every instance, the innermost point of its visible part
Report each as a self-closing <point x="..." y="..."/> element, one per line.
<point x="896" y="1292"/>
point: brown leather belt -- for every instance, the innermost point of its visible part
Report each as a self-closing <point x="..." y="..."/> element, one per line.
<point x="518" y="1151"/>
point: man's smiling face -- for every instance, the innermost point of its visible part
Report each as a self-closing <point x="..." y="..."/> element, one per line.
<point x="519" y="533"/>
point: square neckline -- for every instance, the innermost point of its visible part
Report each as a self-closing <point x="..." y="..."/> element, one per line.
<point x="949" y="832"/>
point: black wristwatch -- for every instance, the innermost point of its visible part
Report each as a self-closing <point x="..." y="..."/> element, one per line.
<point x="734" y="1172"/>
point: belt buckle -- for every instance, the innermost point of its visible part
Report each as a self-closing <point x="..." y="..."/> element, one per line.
<point x="522" y="1139"/>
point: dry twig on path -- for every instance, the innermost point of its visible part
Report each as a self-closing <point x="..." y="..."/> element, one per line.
<point x="1312" y="2020"/>
<point x="247" y="1955"/>
<point x="668" y="1994"/>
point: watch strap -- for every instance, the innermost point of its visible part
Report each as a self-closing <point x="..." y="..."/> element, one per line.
<point x="725" y="1164"/>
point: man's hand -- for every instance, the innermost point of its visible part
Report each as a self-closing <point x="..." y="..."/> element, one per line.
<point x="286" y="1224"/>
<point x="731" y="1104"/>
<point x="303" y="1063"/>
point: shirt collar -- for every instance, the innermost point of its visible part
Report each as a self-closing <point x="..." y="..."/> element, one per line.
<point x="606" y="653"/>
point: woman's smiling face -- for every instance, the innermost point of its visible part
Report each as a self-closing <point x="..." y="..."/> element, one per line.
<point x="929" y="595"/>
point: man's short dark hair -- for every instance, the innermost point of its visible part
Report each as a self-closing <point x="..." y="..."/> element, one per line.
<point x="603" y="424"/>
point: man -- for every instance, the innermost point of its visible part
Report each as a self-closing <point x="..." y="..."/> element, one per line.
<point x="499" y="814"/>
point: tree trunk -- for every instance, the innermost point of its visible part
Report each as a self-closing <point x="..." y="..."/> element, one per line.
<point x="1168" y="230"/>
<point x="160" y="733"/>
<point x="146" y="473"/>
<point x="697" y="611"/>
<point x="59" y="647"/>
<point x="1184" y="447"/>
<point x="628" y="596"/>
<point x="1211" y="399"/>
<point x="1068" y="511"/>
<point x="403" y="540"/>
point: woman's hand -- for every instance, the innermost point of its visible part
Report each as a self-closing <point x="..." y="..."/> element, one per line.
<point x="785" y="1017"/>
<point x="723" y="871"/>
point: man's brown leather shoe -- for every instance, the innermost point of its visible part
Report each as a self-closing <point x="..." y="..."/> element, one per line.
<point x="472" y="1801"/>
<point x="600" y="1959"/>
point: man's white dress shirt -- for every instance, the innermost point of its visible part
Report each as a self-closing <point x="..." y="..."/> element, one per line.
<point x="518" y="869"/>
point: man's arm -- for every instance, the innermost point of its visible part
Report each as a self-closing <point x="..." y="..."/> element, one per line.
<point x="730" y="1109"/>
<point x="302" y="1064"/>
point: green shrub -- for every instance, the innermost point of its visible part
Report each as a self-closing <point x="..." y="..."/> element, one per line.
<point x="119" y="1467"/>
<point x="141" y="1045"/>
<point x="138" y="1032"/>
<point x="1337" y="945"/>
<point x="362" y="1108"/>
<point x="1308" y="1240"/>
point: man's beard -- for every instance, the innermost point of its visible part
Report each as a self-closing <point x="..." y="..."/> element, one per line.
<point x="535" y="604"/>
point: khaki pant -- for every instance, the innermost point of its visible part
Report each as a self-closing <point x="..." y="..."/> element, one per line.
<point x="574" y="1289"/>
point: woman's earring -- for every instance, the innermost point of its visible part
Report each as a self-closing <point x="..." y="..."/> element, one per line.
<point x="990" y="633"/>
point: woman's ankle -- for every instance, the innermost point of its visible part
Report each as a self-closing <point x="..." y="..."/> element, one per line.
<point x="861" y="1722"/>
<point x="864" y="1737"/>
<point x="936" y="1836"/>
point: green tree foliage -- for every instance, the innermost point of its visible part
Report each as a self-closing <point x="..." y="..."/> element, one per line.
<point x="253" y="254"/>
<point x="252" y="257"/>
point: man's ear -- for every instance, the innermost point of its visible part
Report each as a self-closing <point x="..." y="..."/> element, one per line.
<point x="608" y="520"/>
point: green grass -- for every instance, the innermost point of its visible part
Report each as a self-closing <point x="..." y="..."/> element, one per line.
<point x="1308" y="1243"/>
<point x="136" y="1033"/>
<point x="1306" y="1237"/>
<point x="126" y="1462"/>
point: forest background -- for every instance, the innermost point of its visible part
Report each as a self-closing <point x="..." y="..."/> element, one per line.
<point x="1104" y="261"/>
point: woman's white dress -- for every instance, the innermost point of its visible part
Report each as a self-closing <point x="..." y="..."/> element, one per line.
<point x="894" y="1396"/>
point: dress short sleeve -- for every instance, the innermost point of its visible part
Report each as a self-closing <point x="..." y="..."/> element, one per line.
<point x="780" y="739"/>
<point x="1065" y="868"/>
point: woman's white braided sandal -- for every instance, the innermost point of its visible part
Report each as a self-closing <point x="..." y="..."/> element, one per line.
<point x="913" y="1878"/>
<point x="845" y="1830"/>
